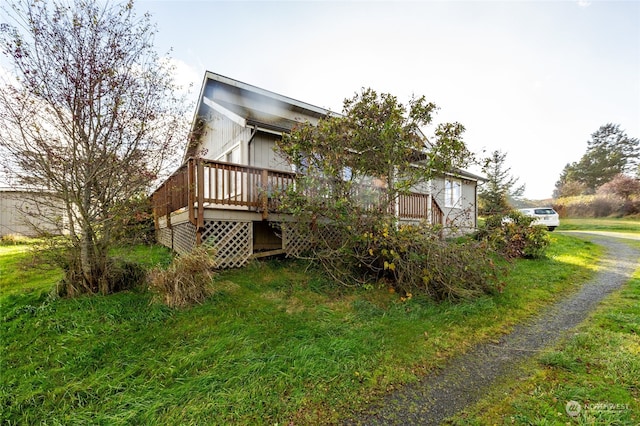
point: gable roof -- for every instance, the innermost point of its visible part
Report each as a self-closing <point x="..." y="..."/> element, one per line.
<point x="257" y="106"/>
<point x="253" y="106"/>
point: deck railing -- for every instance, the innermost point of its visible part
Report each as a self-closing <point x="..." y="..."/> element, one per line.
<point x="175" y="193"/>
<point x="203" y="183"/>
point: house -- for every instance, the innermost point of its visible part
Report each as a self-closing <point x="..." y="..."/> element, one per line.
<point x="30" y="213"/>
<point x="220" y="195"/>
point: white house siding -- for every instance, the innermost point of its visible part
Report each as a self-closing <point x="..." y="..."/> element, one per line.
<point x="422" y="188"/>
<point x="468" y="219"/>
<point x="21" y="213"/>
<point x="221" y="136"/>
<point x="262" y="152"/>
<point x="462" y="214"/>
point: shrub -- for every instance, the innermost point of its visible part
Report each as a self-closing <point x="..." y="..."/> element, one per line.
<point x="605" y="206"/>
<point x="514" y="237"/>
<point x="414" y="259"/>
<point x="13" y="239"/>
<point x="631" y="207"/>
<point x="420" y="262"/>
<point x="187" y="281"/>
<point x="600" y="205"/>
<point x="120" y="275"/>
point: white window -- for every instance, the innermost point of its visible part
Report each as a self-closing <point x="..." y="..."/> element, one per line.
<point x="229" y="180"/>
<point x="452" y="192"/>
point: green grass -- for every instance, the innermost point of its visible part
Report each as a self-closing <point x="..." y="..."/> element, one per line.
<point x="600" y="224"/>
<point x="20" y="272"/>
<point x="22" y="269"/>
<point x="598" y="367"/>
<point x="276" y="343"/>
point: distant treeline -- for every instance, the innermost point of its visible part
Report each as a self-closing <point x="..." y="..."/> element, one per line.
<point x="597" y="205"/>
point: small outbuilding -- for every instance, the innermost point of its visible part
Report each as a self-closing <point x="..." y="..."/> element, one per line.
<point x="29" y="213"/>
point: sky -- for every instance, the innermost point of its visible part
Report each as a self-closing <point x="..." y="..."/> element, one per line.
<point x="533" y="79"/>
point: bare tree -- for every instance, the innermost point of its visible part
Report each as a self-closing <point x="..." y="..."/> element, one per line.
<point x="91" y="118"/>
<point x="625" y="187"/>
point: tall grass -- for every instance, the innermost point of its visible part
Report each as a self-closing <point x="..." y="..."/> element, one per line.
<point x="22" y="272"/>
<point x="187" y="281"/>
<point x="276" y="343"/>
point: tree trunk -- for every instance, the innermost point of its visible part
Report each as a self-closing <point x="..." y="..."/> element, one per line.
<point x="87" y="257"/>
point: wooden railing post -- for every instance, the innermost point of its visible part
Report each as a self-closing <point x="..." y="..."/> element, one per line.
<point x="265" y="194"/>
<point x="155" y="210"/>
<point x="167" y="202"/>
<point x="200" y="199"/>
<point x="191" y="188"/>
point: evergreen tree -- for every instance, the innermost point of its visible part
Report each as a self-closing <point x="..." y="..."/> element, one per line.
<point x="494" y="195"/>
<point x="610" y="152"/>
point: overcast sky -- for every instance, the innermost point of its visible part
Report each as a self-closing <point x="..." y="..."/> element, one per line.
<point x="532" y="79"/>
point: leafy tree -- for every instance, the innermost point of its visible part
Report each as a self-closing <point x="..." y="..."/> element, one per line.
<point x="609" y="153"/>
<point x="621" y="185"/>
<point x="354" y="168"/>
<point x="377" y="137"/>
<point x="90" y="118"/>
<point x="569" y="188"/>
<point x="376" y="147"/>
<point x="501" y="186"/>
<point x="567" y="185"/>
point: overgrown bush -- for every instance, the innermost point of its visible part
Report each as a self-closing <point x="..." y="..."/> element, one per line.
<point x="187" y="281"/>
<point x="412" y="259"/>
<point x="356" y="168"/>
<point x="419" y="261"/>
<point x="513" y="236"/>
<point x="120" y="275"/>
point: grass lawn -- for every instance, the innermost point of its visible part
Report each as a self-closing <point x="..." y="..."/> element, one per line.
<point x="597" y="370"/>
<point x="600" y="224"/>
<point x="276" y="343"/>
<point x="598" y="367"/>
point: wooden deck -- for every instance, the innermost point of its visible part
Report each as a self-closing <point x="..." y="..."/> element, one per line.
<point x="203" y="189"/>
<point x="201" y="184"/>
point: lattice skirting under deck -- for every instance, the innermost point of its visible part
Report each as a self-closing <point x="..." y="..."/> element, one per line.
<point x="297" y="242"/>
<point x="232" y="241"/>
<point x="184" y="237"/>
<point x="181" y="238"/>
<point x="165" y="237"/>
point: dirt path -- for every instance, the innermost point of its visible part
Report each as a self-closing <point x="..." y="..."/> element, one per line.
<point x="466" y="379"/>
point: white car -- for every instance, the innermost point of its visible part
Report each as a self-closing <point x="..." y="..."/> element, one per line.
<point x="545" y="216"/>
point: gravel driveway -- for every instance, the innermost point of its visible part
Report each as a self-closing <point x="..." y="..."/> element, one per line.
<point x="466" y="379"/>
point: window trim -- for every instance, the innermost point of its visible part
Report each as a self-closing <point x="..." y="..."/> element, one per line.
<point x="452" y="192"/>
<point x="230" y="189"/>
